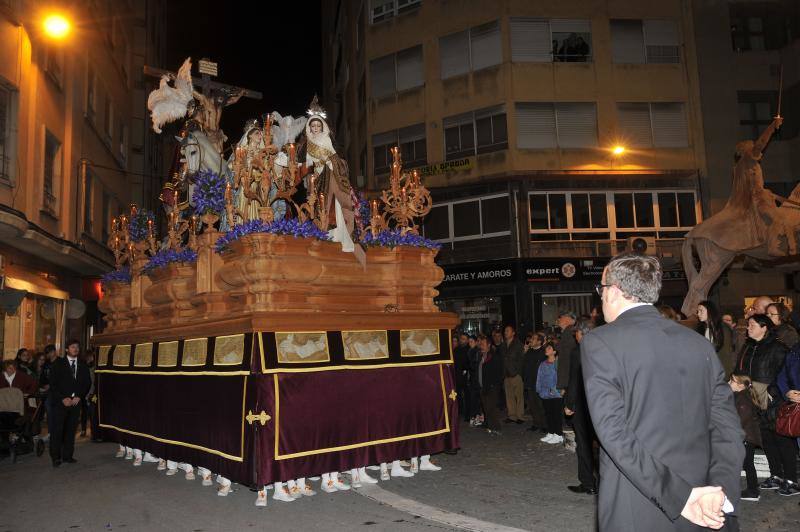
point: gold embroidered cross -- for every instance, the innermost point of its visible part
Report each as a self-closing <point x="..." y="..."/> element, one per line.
<point x="453" y="395"/>
<point x="263" y="417"/>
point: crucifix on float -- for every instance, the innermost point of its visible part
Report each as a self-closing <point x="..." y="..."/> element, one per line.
<point x="206" y="106"/>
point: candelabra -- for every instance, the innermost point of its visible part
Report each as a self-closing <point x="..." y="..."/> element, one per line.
<point x="123" y="246"/>
<point x="178" y="226"/>
<point x="406" y="199"/>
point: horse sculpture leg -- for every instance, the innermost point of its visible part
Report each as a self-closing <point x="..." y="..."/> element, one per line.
<point x="713" y="261"/>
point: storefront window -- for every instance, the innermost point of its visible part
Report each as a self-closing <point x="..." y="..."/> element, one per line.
<point x="554" y="304"/>
<point x="46" y="324"/>
<point x="478" y="314"/>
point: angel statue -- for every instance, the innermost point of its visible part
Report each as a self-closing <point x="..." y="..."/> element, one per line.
<point x="167" y="103"/>
<point x="285" y="130"/>
<point x="330" y="174"/>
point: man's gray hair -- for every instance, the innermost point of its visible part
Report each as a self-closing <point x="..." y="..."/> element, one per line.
<point x="638" y="276"/>
<point x="584" y="325"/>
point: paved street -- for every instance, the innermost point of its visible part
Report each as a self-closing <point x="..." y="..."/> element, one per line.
<point x="495" y="483"/>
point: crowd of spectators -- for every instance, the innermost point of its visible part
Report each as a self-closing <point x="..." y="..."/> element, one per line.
<point x="541" y="377"/>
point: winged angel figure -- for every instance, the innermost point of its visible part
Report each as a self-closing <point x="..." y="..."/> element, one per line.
<point x="170" y="103"/>
<point x="285" y="129"/>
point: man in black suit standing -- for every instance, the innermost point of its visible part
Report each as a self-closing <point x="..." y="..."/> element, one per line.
<point x="575" y="406"/>
<point x="664" y="415"/>
<point x="69" y="383"/>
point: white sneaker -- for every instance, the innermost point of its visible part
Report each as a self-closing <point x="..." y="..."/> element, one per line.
<point x="556" y="439"/>
<point x="162" y="465"/>
<point x="261" y="498"/>
<point x="341" y="486"/>
<point x="385" y="472"/>
<point x="308" y="492"/>
<point x="425" y="464"/>
<point x="355" y="478"/>
<point x="149" y="458"/>
<point x="328" y="486"/>
<point x="224" y="490"/>
<point x="190" y="474"/>
<point x="171" y="472"/>
<point x="295" y="493"/>
<point x="415" y="465"/>
<point x="129" y="454"/>
<point x="282" y="495"/>
<point x="206" y="480"/>
<point x="365" y="478"/>
<point x="137" y="461"/>
<point x="547" y="437"/>
<point x="398" y="471"/>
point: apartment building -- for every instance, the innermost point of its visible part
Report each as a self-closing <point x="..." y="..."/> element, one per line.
<point x="552" y="135"/>
<point x="75" y="150"/>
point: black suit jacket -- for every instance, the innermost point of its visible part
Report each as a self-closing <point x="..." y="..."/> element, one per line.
<point x="62" y="384"/>
<point x="665" y="418"/>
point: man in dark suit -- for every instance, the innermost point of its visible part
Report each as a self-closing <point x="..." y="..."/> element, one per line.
<point x="664" y="415"/>
<point x="575" y="406"/>
<point x="69" y="383"/>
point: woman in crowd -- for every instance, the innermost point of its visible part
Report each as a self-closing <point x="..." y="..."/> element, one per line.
<point x="784" y="331"/>
<point x="490" y="370"/>
<point x="710" y="325"/>
<point x="546" y="387"/>
<point x="762" y="359"/>
<point x="23" y="360"/>
<point x="788" y="384"/>
<point x="744" y="399"/>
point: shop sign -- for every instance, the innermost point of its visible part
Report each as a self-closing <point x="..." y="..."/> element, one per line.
<point x="479" y="274"/>
<point x="447" y="166"/>
<point x="554" y="270"/>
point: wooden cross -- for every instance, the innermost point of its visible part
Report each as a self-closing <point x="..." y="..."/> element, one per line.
<point x="207" y="70"/>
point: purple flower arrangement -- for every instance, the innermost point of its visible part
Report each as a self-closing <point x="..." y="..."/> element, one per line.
<point x="209" y="193"/>
<point x="291" y="227"/>
<point x="138" y="227"/>
<point x="391" y="238"/>
<point x="117" y="276"/>
<point x="168" y="256"/>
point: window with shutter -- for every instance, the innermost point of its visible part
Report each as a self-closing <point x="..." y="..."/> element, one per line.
<point x="571" y="40"/>
<point x="530" y="40"/>
<point x="536" y="125"/>
<point x="627" y="41"/>
<point x="459" y="136"/>
<point x="382" y="76"/>
<point x="662" y="41"/>
<point x="382" y="10"/>
<point x="576" y="125"/>
<point x="486" y="45"/>
<point x="490" y="129"/>
<point x="409" y="68"/>
<point x="412" y="146"/>
<point x="381" y="156"/>
<point x="633" y="120"/>
<point x="454" y="54"/>
<point x="669" y="125"/>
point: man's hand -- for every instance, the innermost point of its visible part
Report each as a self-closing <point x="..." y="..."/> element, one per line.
<point x="704" y="507"/>
<point x="567" y="411"/>
<point x="67" y="401"/>
<point x="778" y="121"/>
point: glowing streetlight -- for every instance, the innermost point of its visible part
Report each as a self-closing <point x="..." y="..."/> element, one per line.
<point x="56" y="26"/>
<point x="618" y="150"/>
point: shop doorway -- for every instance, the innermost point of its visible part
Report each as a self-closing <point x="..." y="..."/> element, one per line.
<point x="480" y="314"/>
<point x="550" y="305"/>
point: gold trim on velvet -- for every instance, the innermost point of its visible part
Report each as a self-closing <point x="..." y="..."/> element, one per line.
<point x="261" y="352"/>
<point x="229" y="350"/>
<point x="143" y="355"/>
<point x="413" y="342"/>
<point x="351" y="340"/>
<point x="175" y="442"/>
<point x="288" y="345"/>
<point x="166" y="373"/>
<point x="239" y="458"/>
<point x="102" y="354"/>
<point x="168" y="354"/>
<point x="350" y="366"/>
<point x="122" y="355"/>
<point x="195" y="352"/>
<point x="279" y="456"/>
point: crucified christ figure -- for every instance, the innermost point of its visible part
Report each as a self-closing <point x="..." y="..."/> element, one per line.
<point x="208" y="112"/>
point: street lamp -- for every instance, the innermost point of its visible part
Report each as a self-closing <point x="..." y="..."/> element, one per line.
<point x="56" y="26"/>
<point x="618" y="150"/>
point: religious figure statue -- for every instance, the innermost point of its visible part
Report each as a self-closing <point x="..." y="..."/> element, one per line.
<point x="207" y="111"/>
<point x="751" y="223"/>
<point x="168" y="103"/>
<point x="330" y="178"/>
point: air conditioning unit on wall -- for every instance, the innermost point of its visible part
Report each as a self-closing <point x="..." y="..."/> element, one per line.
<point x="646" y="245"/>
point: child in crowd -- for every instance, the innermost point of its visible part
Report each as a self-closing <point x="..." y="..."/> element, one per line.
<point x="546" y="387"/>
<point x="744" y="397"/>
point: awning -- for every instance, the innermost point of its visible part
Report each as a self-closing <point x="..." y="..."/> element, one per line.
<point x="21" y="279"/>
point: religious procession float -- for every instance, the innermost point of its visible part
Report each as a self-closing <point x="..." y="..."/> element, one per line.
<point x="283" y="326"/>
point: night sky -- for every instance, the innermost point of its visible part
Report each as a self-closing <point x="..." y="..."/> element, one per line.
<point x="271" y="47"/>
